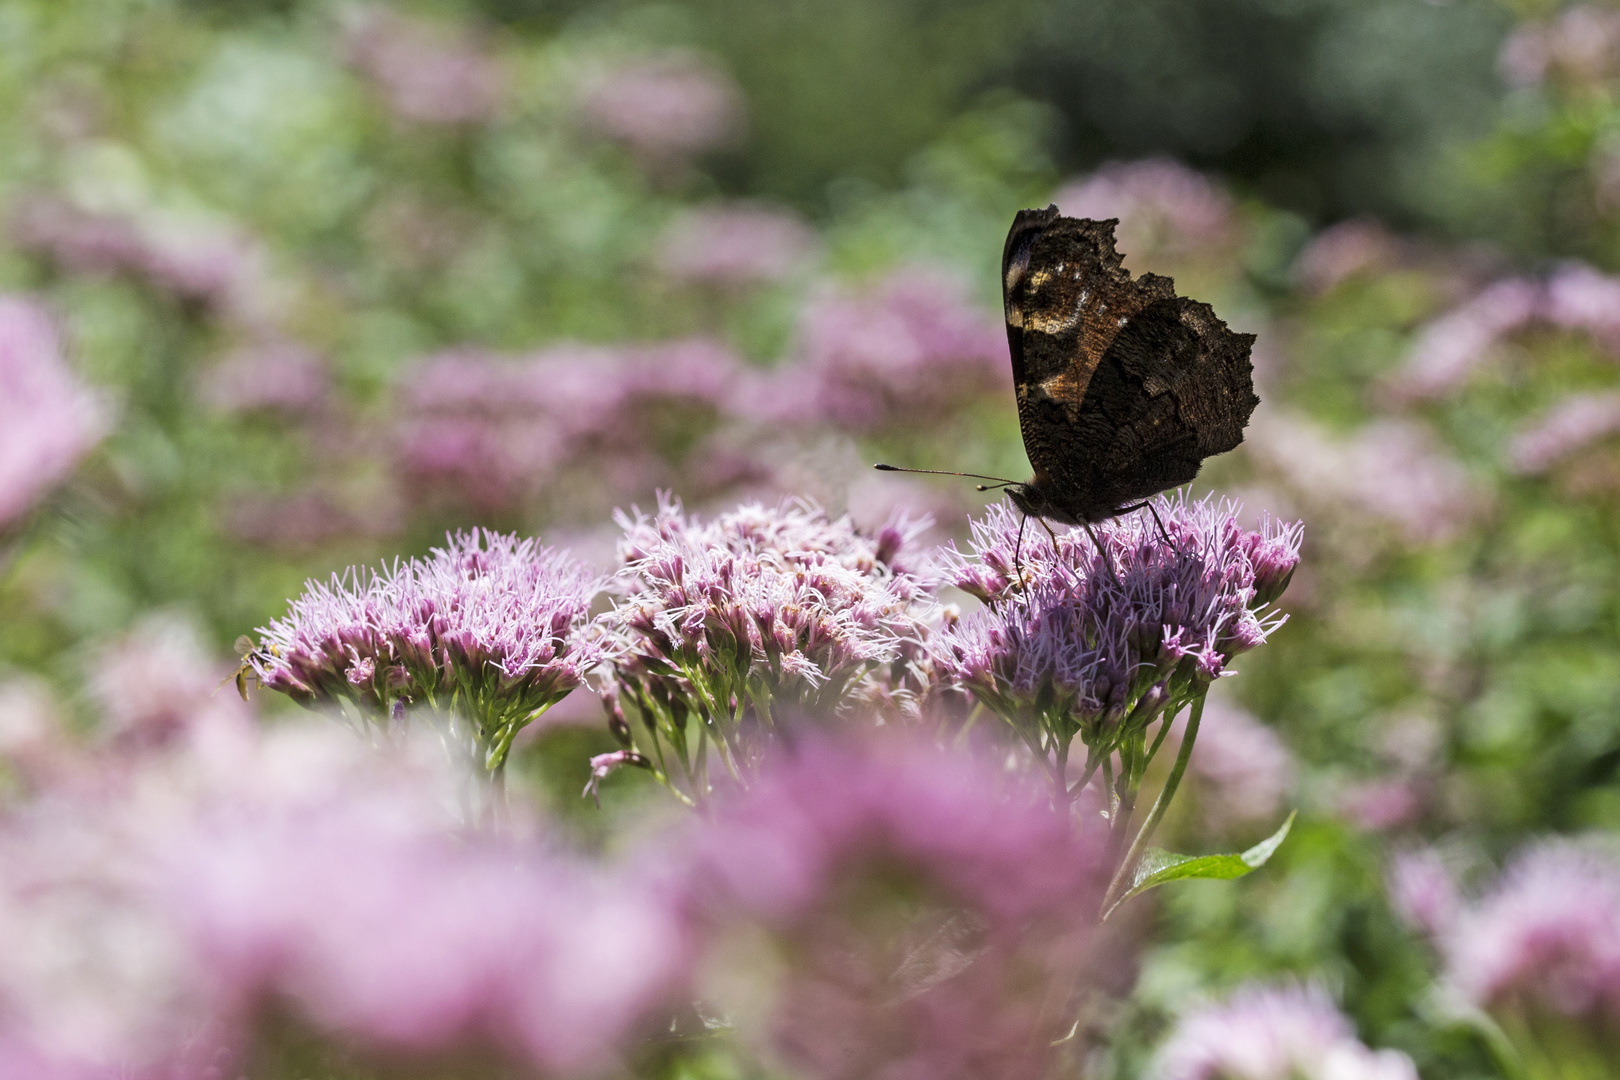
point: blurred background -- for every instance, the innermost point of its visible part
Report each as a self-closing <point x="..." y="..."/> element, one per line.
<point x="292" y="285"/>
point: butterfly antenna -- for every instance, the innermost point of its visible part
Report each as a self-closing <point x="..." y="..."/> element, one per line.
<point x="998" y="481"/>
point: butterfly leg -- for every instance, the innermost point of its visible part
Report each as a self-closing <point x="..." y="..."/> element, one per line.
<point x="1017" y="546"/>
<point x="1107" y="562"/>
<point x="1148" y="505"/>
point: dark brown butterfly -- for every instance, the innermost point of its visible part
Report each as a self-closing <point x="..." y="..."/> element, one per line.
<point x="1124" y="388"/>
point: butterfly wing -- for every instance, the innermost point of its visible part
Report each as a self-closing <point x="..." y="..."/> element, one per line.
<point x="1123" y="387"/>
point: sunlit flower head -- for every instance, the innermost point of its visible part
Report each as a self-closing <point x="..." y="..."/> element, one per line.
<point x="489" y="625"/>
<point x="1089" y="639"/>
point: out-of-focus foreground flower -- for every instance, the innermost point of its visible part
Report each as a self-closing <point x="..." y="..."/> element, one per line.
<point x="1274" y="1033"/>
<point x="50" y="419"/>
<point x="486" y="633"/>
<point x="925" y="913"/>
<point x="726" y="623"/>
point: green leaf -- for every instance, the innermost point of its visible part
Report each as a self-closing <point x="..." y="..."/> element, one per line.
<point x="1158" y="866"/>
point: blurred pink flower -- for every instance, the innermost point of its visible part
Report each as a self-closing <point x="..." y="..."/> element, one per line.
<point x="734" y="245"/>
<point x="1161" y="205"/>
<point x="194" y="260"/>
<point x="1273" y="1033"/>
<point x="51" y="419"/>
<point x="1575" y="423"/>
<point x="493" y="432"/>
<point x="1581" y="298"/>
<point x="1245" y="769"/>
<point x="906" y="352"/>
<point x="1546" y="935"/>
<point x="1343" y="251"/>
<point x="333" y="878"/>
<point x="154" y="680"/>
<point x="666" y="106"/>
<point x="1580" y="47"/>
<point x="1450" y="348"/>
<point x="427" y="73"/>
<point x="307" y="519"/>
<point x="930" y="903"/>
<point x="279" y="376"/>
<point x="1392" y="470"/>
<point x="1423" y="892"/>
<point x="1382" y="803"/>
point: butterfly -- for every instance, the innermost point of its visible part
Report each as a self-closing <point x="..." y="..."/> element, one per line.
<point x="1124" y="388"/>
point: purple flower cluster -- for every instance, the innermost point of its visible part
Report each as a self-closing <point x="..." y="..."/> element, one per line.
<point x="192" y="260"/>
<point x="51" y="419"/>
<point x="1391" y="470"/>
<point x="1098" y="648"/>
<point x="761" y="605"/>
<point x="269" y="376"/>
<point x="487" y="631"/>
<point x="666" y="107"/>
<point x="903" y="354"/>
<point x="1579" y="49"/>
<point x="1545" y="938"/>
<point x="1274" y="1033"/>
<point x="1162" y="205"/>
<point x="495" y="432"/>
<point x="927" y="907"/>
<point x="733" y="246"/>
<point x="425" y="73"/>
<point x="1245" y="770"/>
<point x="1573" y="424"/>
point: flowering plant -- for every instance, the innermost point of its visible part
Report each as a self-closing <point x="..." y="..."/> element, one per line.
<point x="724" y="623"/>
<point x="487" y="633"/>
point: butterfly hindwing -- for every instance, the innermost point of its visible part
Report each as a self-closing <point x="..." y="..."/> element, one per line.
<point x="1123" y="387"/>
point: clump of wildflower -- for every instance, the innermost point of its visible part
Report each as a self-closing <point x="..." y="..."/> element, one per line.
<point x="1274" y="1033"/>
<point x="666" y="107"/>
<point x="1450" y="348"/>
<point x="487" y="632"/>
<point x="734" y="245"/>
<point x="1578" y="421"/>
<point x="1544" y="941"/>
<point x="1392" y="470"/>
<point x="51" y="419"/>
<point x="726" y="621"/>
<point x="1344" y="251"/>
<point x="314" y="873"/>
<point x="425" y="73"/>
<point x="1579" y="49"/>
<point x="269" y="376"/>
<point x="1161" y="204"/>
<point x="494" y="432"/>
<point x="903" y="353"/>
<point x="934" y="914"/>
<point x="1245" y="770"/>
<point x="1422" y="891"/>
<point x="1100" y="649"/>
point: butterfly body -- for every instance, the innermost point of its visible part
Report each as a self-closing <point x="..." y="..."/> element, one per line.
<point x="1123" y="387"/>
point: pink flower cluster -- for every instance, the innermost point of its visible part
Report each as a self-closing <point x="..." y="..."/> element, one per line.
<point x="194" y="261"/>
<point x="905" y="354"/>
<point x="1580" y="48"/>
<point x="1085" y="642"/>
<point x="666" y="107"/>
<point x="997" y="890"/>
<point x="52" y="420"/>
<point x="494" y="432"/>
<point x="1451" y="348"/>
<point x="1391" y="470"/>
<point x="176" y="916"/>
<point x="490" y="626"/>
<point x="721" y="618"/>
<point x="268" y="376"/>
<point x="426" y="73"/>
<point x="1245" y="769"/>
<point x="1570" y="426"/>
<point x="734" y="245"/>
<point x="1162" y="205"/>
<point x="1545" y="936"/>
<point x="1274" y="1033"/>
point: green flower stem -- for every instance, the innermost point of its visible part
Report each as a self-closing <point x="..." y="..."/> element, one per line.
<point x="1160" y="805"/>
